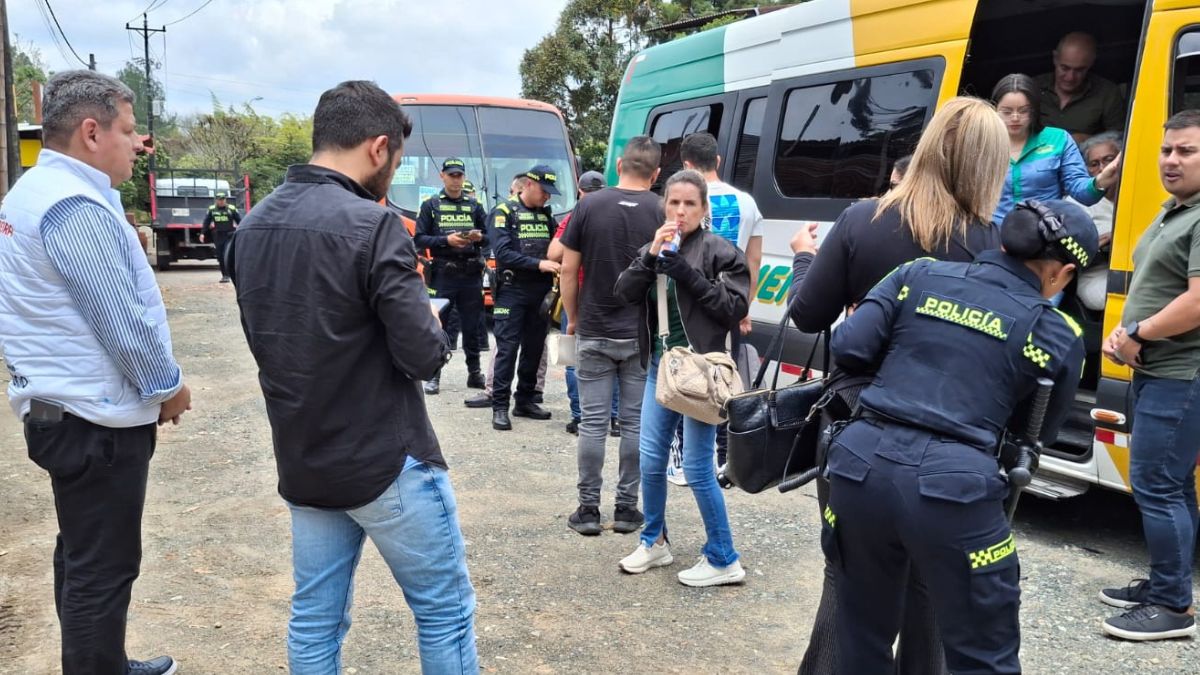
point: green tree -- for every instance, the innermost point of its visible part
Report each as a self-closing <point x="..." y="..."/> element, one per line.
<point x="28" y="67"/>
<point x="133" y="74"/>
<point x="579" y="67"/>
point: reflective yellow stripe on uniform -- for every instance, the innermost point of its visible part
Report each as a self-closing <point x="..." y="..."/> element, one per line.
<point x="1075" y="327"/>
<point x="830" y="517"/>
<point x="994" y="553"/>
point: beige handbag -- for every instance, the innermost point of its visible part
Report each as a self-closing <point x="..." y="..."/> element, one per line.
<point x="696" y="385"/>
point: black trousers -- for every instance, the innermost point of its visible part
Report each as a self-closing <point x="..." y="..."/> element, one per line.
<point x="221" y="240"/>
<point x="98" y="475"/>
<point x="920" y="648"/>
<point x="464" y="290"/>
<point x="518" y="327"/>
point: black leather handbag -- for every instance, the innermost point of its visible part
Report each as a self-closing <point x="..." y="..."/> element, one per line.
<point x="774" y="431"/>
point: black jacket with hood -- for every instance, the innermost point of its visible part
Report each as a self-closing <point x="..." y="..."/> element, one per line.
<point x="712" y="299"/>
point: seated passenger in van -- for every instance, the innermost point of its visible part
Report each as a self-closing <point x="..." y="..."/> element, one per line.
<point x="1098" y="152"/>
<point x="1075" y="99"/>
<point x="898" y="170"/>
<point x="1044" y="162"/>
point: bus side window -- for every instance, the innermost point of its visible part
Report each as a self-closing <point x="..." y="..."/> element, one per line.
<point x="669" y="129"/>
<point x="1185" y="94"/>
<point x="839" y="139"/>
<point x="746" y="158"/>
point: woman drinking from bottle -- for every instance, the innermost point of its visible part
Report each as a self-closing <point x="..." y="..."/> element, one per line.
<point x="707" y="291"/>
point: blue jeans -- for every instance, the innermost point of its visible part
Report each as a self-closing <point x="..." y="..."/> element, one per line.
<point x="658" y="427"/>
<point x="1162" y="472"/>
<point x="573" y="384"/>
<point x="414" y="525"/>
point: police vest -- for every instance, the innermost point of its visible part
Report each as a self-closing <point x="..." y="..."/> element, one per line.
<point x="453" y="218"/>
<point x="533" y="228"/>
<point x="222" y="218"/>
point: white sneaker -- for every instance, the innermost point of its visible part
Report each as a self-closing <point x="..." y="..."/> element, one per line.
<point x="646" y="557"/>
<point x="705" y="574"/>
<point x="676" y="476"/>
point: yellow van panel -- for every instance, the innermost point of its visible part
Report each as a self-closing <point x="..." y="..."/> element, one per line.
<point x="890" y="25"/>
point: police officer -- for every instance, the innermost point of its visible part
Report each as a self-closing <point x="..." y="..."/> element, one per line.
<point x="955" y="349"/>
<point x="451" y="225"/>
<point x="219" y="223"/>
<point x="521" y="231"/>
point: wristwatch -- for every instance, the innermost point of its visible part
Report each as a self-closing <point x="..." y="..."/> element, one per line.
<point x="1132" y="331"/>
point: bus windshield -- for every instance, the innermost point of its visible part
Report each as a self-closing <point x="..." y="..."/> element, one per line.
<point x="495" y="143"/>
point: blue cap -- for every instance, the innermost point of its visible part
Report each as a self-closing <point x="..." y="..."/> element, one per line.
<point x="1062" y="225"/>
<point x="544" y="176"/>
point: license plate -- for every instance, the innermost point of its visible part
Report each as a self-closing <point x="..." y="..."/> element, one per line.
<point x="181" y="212"/>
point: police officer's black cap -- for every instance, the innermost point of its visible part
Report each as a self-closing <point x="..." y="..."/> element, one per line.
<point x="545" y="177"/>
<point x="468" y="186"/>
<point x="591" y="181"/>
<point x="454" y="165"/>
<point x="1051" y="229"/>
<point x="220" y="195"/>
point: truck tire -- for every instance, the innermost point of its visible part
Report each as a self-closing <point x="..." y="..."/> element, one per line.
<point x="164" y="264"/>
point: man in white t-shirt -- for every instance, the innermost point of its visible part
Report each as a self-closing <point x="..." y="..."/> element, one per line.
<point x="735" y="214"/>
<point x="735" y="217"/>
<point x="1093" y="282"/>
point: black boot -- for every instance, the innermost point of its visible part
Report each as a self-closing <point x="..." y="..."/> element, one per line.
<point x="476" y="380"/>
<point x="531" y="410"/>
<point x="500" y="421"/>
<point x="479" y="401"/>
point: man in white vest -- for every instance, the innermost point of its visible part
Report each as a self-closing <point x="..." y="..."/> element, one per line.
<point x="85" y="339"/>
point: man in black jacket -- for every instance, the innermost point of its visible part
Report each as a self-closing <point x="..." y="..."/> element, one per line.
<point x="340" y="324"/>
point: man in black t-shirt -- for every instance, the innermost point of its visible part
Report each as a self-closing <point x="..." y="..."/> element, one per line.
<point x="606" y="231"/>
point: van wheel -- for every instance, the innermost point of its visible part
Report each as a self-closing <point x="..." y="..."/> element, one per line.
<point x="163" y="264"/>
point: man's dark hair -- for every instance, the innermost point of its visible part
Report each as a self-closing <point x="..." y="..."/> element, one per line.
<point x="1183" y="120"/>
<point x="700" y="150"/>
<point x="356" y="111"/>
<point x="76" y="95"/>
<point x="641" y="157"/>
<point x="1025" y="85"/>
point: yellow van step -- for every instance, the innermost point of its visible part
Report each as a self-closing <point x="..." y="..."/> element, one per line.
<point x="1054" y="487"/>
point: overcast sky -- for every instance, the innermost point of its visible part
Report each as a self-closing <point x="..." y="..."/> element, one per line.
<point x="289" y="51"/>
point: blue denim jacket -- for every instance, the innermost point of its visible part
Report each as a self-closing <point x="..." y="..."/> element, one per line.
<point x="1050" y="167"/>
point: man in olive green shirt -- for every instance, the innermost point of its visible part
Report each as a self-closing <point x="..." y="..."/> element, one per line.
<point x="1160" y="339"/>
<point x="1074" y="98"/>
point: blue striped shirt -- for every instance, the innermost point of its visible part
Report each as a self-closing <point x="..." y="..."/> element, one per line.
<point x="88" y="248"/>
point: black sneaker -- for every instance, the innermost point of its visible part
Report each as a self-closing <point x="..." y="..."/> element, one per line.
<point x="224" y="280"/>
<point x="433" y="387"/>
<point x="479" y="401"/>
<point x="162" y="665"/>
<point x="1128" y="597"/>
<point x="627" y="519"/>
<point x="585" y="520"/>
<point x="614" y="428"/>
<point x="538" y="397"/>
<point x="1150" y="622"/>
<point x="476" y="380"/>
<point x="573" y="427"/>
<point x="530" y="410"/>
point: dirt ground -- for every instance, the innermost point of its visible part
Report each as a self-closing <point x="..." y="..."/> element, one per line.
<point x="216" y="574"/>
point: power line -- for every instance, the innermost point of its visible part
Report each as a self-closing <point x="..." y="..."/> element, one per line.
<point x="50" y="29"/>
<point x="154" y="4"/>
<point x="64" y="35"/>
<point x="193" y="13"/>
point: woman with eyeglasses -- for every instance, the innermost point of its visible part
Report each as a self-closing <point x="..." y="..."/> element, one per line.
<point x="1044" y="162"/>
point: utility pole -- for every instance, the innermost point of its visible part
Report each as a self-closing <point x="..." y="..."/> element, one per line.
<point x="91" y="61"/>
<point x="145" y="32"/>
<point x="10" y="149"/>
